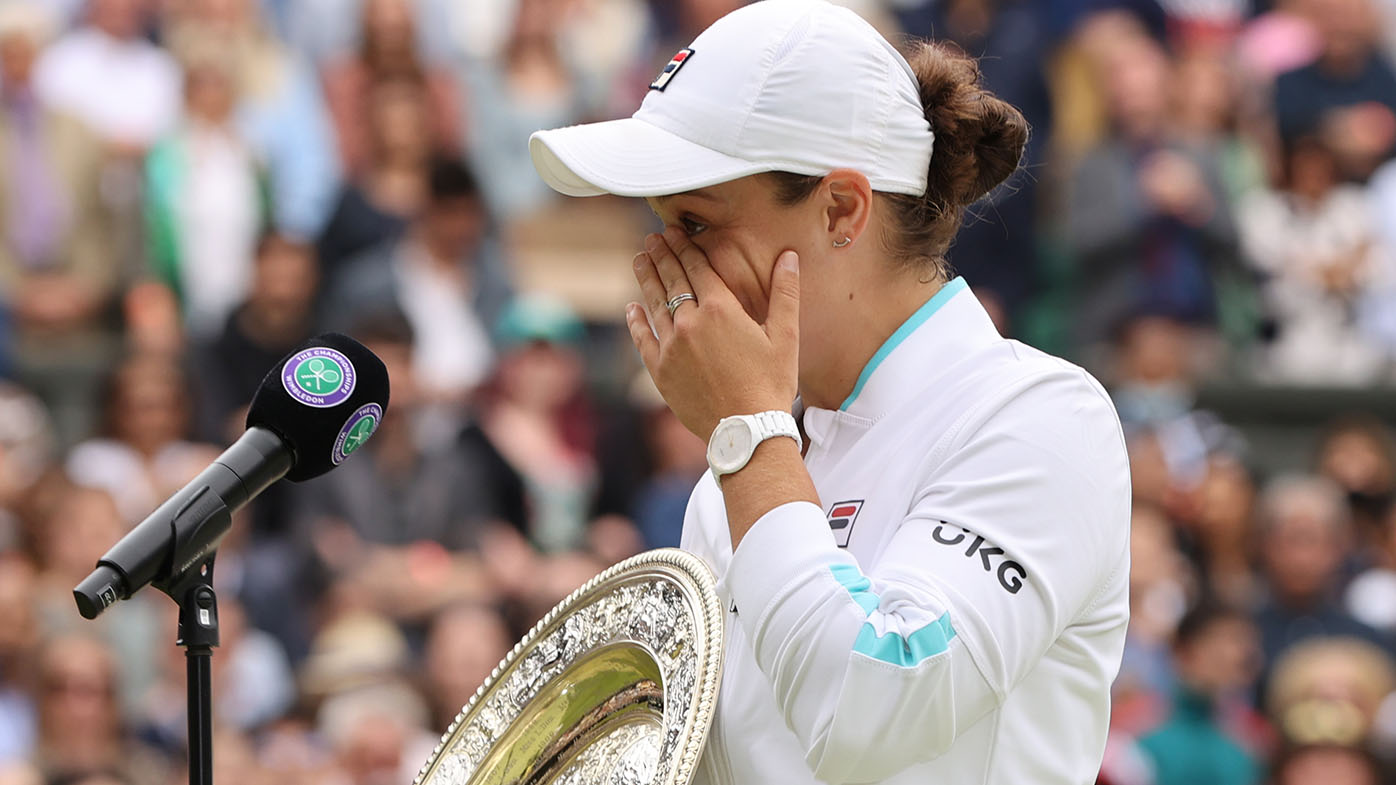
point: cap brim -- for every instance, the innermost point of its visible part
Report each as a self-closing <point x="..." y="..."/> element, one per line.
<point x="629" y="157"/>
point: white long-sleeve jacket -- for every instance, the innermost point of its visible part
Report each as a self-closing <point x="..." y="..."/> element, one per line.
<point x="956" y="612"/>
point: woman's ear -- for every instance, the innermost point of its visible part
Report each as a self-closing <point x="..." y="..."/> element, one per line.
<point x="848" y="197"/>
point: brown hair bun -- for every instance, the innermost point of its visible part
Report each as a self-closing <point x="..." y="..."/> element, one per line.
<point x="979" y="138"/>
<point x="979" y="141"/>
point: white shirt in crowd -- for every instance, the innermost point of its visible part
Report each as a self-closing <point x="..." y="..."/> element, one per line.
<point x="452" y="351"/>
<point x="220" y="217"/>
<point x="956" y="613"/>
<point x="1324" y="336"/>
<point x="128" y="91"/>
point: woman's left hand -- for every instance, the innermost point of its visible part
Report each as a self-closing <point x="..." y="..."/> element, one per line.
<point x="710" y="359"/>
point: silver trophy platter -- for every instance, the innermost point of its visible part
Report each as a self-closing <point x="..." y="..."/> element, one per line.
<point x="615" y="686"/>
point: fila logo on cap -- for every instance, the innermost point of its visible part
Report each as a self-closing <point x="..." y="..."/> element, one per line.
<point x="672" y="68"/>
<point x="842" y="516"/>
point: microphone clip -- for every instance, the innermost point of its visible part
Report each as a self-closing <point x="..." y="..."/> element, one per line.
<point x="198" y="608"/>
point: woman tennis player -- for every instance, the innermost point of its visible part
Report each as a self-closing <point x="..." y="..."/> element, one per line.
<point x="927" y="583"/>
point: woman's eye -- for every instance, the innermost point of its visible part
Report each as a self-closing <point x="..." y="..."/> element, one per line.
<point x="692" y="227"/>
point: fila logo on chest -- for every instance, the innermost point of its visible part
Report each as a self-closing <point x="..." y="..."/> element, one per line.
<point x="842" y="516"/>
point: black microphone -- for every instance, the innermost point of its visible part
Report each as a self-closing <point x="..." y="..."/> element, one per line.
<point x="313" y="410"/>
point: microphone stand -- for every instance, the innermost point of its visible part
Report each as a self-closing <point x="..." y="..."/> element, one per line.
<point x="197" y="518"/>
<point x="198" y="634"/>
<point x="198" y="527"/>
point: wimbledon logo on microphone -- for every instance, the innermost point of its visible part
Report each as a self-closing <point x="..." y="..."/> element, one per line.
<point x="318" y="377"/>
<point x="360" y="425"/>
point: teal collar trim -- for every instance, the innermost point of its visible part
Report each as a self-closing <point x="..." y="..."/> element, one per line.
<point x="908" y="327"/>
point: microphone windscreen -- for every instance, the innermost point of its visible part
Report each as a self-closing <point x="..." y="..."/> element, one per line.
<point x="325" y="399"/>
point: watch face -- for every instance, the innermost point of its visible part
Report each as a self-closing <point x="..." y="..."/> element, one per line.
<point x="731" y="446"/>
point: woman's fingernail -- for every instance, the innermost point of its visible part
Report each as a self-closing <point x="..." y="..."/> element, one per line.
<point x="653" y="241"/>
<point x="790" y="260"/>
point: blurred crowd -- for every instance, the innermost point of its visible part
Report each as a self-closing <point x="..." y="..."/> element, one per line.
<point x="191" y="188"/>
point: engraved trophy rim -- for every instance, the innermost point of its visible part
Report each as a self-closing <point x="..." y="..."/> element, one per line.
<point x="695" y="580"/>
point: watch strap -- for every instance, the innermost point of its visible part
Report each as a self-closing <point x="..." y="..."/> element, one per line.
<point x="771" y="424"/>
<point x="764" y="425"/>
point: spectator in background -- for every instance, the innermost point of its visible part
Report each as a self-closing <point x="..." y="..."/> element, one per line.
<point x="1213" y="109"/>
<point x="19" y="637"/>
<point x="288" y="750"/>
<point x="1154" y="371"/>
<point x="1329" y="764"/>
<point x="677" y="458"/>
<point x="554" y="578"/>
<point x="615" y="46"/>
<point x="1147" y="214"/>
<point x="1330" y="691"/>
<point x="280" y="112"/>
<point x="1223" y="531"/>
<point x="72" y="527"/>
<point x="143" y="455"/>
<point x="445" y="275"/>
<point x="354" y="647"/>
<point x="1313" y="239"/>
<point x="533" y="432"/>
<point x="203" y="193"/>
<point x="26" y="450"/>
<point x="1357" y="453"/>
<point x="81" y="730"/>
<point x="328" y="30"/>
<point x="153" y="322"/>
<point x="276" y="316"/>
<point x="252" y="682"/>
<point x="255" y="684"/>
<point x="1215" y="112"/>
<point x="107" y="75"/>
<point x="235" y="760"/>
<point x="1348" y="95"/>
<point x="400" y="525"/>
<point x="529" y="85"/>
<point x="1304" y="529"/>
<point x="1216" y="653"/>
<point x="465" y="644"/>
<point x="392" y="186"/>
<point x="1369" y="597"/>
<point x="377" y="735"/>
<point x="1161" y="584"/>
<point x="388" y="52"/>
<point x="58" y="271"/>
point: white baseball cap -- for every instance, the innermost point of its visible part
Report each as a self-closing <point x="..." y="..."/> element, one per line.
<point x="798" y="86"/>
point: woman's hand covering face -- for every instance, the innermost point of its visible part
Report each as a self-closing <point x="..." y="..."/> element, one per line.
<point x="711" y="359"/>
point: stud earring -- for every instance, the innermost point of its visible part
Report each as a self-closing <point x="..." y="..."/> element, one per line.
<point x="841" y="243"/>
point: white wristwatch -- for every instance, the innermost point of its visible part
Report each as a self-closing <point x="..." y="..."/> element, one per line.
<point x="734" y="440"/>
